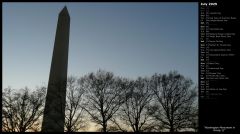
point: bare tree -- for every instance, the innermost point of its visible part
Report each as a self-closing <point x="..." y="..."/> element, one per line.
<point x="194" y="118"/>
<point x="136" y="100"/>
<point x="103" y="94"/>
<point x="175" y="97"/>
<point x="74" y="113"/>
<point x="22" y="109"/>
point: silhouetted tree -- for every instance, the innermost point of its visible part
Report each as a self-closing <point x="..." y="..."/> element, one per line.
<point x="194" y="118"/>
<point x="117" y="123"/>
<point x="74" y="113"/>
<point x="175" y="98"/>
<point x="160" y="103"/>
<point x="133" y="112"/>
<point x="103" y="94"/>
<point x="21" y="110"/>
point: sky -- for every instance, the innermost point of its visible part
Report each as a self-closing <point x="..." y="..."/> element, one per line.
<point x="128" y="39"/>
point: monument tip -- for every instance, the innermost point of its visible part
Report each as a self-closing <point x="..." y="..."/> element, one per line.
<point x="64" y="10"/>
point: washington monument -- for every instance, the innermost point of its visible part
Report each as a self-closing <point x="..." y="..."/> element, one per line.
<point x="54" y="112"/>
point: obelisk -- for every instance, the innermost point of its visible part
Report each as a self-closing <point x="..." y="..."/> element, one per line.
<point x="54" y="112"/>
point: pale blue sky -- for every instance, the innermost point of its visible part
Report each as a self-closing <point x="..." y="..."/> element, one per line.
<point x="129" y="39"/>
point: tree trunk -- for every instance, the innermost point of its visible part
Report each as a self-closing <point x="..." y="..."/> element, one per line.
<point x="104" y="126"/>
<point x="136" y="125"/>
<point x="171" y="127"/>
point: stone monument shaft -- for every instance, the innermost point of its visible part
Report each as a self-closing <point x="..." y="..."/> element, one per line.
<point x="54" y="112"/>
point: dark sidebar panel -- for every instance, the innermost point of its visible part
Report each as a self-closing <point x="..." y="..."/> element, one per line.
<point x="219" y="78"/>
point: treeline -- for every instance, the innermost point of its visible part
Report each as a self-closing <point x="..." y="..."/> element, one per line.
<point x="160" y="103"/>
